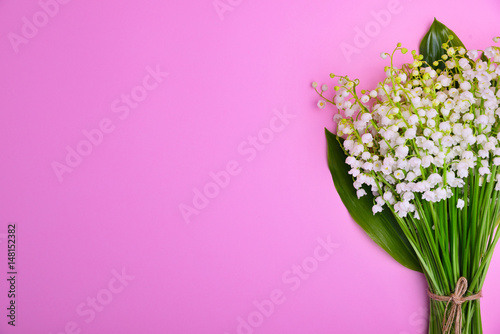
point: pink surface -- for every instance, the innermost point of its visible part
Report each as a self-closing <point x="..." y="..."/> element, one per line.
<point x="165" y="100"/>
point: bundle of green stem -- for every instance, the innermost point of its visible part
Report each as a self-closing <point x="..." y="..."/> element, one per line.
<point x="459" y="244"/>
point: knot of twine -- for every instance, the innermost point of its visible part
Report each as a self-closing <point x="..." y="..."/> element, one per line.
<point x="458" y="299"/>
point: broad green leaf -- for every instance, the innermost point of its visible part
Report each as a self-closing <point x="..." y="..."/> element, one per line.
<point x="382" y="227"/>
<point x="431" y="46"/>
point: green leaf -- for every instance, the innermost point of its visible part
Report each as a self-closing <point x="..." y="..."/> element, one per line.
<point x="382" y="227"/>
<point x="431" y="46"/>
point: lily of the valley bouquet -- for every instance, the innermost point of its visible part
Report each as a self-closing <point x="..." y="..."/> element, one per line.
<point x="416" y="162"/>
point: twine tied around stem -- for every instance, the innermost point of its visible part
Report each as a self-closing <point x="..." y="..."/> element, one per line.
<point x="457" y="298"/>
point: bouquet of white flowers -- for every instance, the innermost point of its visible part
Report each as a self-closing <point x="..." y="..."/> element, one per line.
<point x="421" y="173"/>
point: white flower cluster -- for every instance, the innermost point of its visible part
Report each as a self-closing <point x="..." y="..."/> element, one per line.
<point x="422" y="132"/>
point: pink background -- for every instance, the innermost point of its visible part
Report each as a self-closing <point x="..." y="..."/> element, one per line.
<point x="119" y="208"/>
